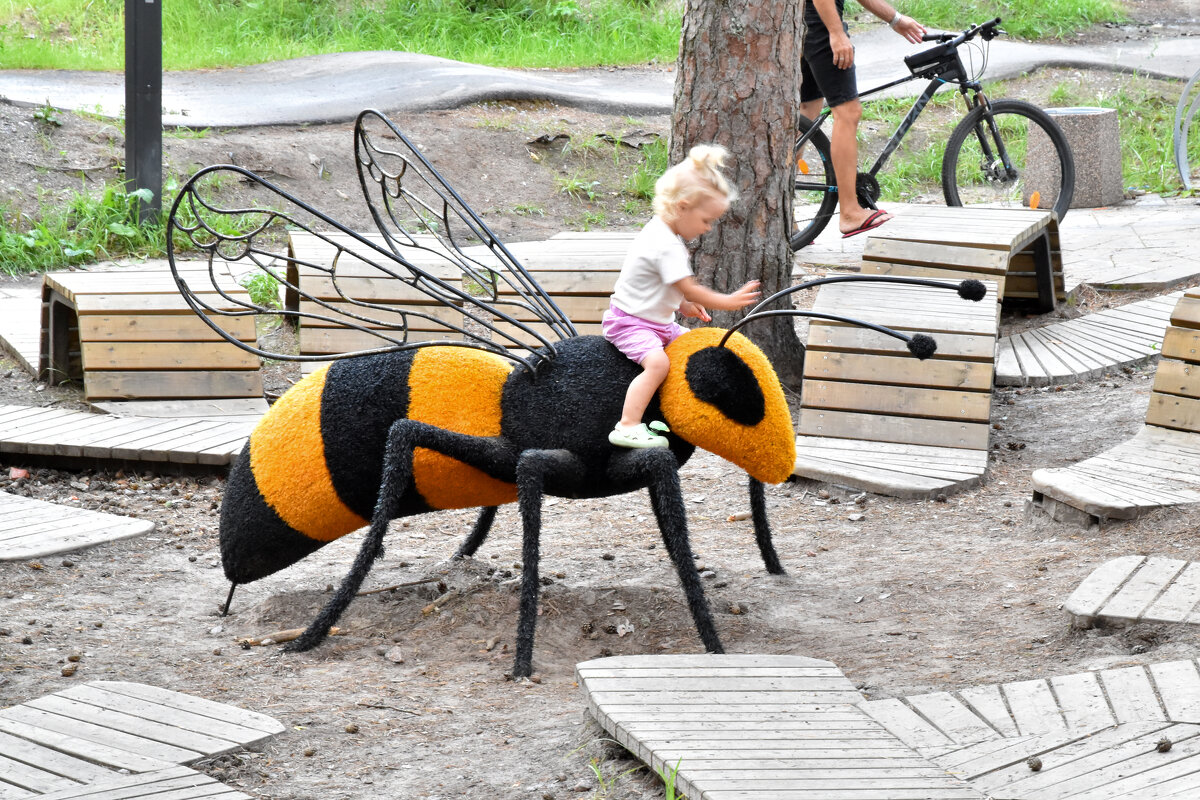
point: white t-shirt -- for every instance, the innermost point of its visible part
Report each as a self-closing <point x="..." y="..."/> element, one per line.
<point x="656" y="259"/>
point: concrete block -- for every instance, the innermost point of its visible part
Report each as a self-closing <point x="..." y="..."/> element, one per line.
<point x="1095" y="140"/>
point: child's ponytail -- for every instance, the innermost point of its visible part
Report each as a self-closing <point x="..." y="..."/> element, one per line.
<point x="698" y="174"/>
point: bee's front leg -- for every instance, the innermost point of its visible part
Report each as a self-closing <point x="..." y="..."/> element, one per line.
<point x="533" y="467"/>
<point x="762" y="528"/>
<point x="667" y="501"/>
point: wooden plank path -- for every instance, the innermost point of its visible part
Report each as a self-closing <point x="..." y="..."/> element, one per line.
<point x="85" y="740"/>
<point x="1138" y="589"/>
<point x="32" y="528"/>
<point x="743" y="727"/>
<point x="1160" y="465"/>
<point x="79" y="438"/>
<point x="20" y="337"/>
<point x="1096" y="734"/>
<point x="1085" y="347"/>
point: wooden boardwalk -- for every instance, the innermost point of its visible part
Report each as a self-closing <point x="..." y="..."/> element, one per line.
<point x="34" y="528"/>
<point x="86" y="740"/>
<point x="78" y="438"/>
<point x="1138" y="589"/>
<point x="1086" y="347"/>
<point x="1158" y="467"/>
<point x="1096" y="734"/>
<point x="793" y="728"/>
<point x="754" y="726"/>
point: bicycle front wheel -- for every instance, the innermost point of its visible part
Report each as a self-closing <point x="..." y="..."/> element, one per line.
<point x="815" y="195"/>
<point x="1009" y="154"/>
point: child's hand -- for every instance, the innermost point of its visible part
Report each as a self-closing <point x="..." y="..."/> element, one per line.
<point x="694" y="310"/>
<point x="747" y="295"/>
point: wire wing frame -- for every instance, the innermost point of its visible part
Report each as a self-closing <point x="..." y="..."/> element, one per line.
<point x="432" y="274"/>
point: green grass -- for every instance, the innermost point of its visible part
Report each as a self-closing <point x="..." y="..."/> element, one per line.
<point x="89" y="34"/>
<point x="1024" y="19"/>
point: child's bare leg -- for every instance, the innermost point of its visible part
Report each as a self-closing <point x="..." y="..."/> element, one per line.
<point x="641" y="390"/>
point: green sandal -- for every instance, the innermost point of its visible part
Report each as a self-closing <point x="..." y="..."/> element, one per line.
<point x="637" y="437"/>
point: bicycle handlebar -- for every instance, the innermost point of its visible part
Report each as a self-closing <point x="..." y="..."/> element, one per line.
<point x="988" y="30"/>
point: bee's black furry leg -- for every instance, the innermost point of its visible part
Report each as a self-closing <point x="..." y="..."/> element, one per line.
<point x="762" y="528"/>
<point x="532" y="470"/>
<point x="404" y="436"/>
<point x="667" y="501"/>
<point x="483" y="524"/>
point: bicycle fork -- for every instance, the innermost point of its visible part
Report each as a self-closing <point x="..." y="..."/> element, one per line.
<point x="997" y="165"/>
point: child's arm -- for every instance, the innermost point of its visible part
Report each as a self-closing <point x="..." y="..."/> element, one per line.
<point x="699" y="298"/>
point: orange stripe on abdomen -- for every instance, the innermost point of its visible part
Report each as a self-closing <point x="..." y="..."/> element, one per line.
<point x="457" y="389"/>
<point x="287" y="457"/>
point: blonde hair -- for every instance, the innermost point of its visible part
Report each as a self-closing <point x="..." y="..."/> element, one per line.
<point x="698" y="174"/>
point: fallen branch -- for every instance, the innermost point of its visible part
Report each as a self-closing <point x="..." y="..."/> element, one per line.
<point x="279" y="637"/>
<point x="398" y="586"/>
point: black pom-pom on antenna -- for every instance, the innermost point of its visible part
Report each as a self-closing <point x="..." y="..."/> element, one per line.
<point x="972" y="289"/>
<point x="922" y="346"/>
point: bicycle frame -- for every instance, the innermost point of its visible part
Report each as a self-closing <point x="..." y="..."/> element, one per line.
<point x="953" y="75"/>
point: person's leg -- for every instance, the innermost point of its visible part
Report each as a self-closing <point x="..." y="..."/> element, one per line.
<point x="641" y="390"/>
<point x="843" y="149"/>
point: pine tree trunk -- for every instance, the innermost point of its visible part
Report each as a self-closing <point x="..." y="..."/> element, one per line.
<point x="738" y="84"/>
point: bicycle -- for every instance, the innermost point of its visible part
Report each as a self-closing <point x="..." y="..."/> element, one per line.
<point x="985" y="158"/>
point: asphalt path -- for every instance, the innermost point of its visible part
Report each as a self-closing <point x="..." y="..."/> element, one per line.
<point x="335" y="88"/>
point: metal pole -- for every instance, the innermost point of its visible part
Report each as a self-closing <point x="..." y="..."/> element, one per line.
<point x="143" y="103"/>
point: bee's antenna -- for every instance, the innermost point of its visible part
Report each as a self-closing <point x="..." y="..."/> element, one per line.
<point x="919" y="344"/>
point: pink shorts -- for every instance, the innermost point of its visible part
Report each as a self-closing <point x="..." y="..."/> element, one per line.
<point x="637" y="337"/>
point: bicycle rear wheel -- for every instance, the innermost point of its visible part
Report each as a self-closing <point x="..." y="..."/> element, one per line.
<point x="815" y="194"/>
<point x="1013" y="155"/>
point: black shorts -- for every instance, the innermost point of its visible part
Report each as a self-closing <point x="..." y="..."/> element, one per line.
<point x="818" y="76"/>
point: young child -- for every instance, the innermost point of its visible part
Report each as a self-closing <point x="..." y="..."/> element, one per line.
<point x="656" y="281"/>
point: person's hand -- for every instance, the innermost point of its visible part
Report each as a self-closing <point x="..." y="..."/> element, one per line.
<point x="910" y="29"/>
<point x="843" y="50"/>
<point x="694" y="310"/>
<point x="746" y="295"/>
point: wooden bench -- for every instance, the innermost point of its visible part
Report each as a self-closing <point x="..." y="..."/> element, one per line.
<point x="578" y="271"/>
<point x="128" y="334"/>
<point x="1017" y="249"/>
<point x="1160" y="466"/>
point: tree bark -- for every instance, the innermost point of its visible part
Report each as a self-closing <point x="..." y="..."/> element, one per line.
<point x="737" y="84"/>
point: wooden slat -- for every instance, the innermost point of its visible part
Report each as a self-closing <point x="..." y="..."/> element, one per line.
<point x="135" y="327"/>
<point x="901" y="371"/>
<point x="169" y="355"/>
<point x="901" y="401"/>
<point x="173" y="783"/>
<point x="1091" y="595"/>
<point x="905" y="430"/>
<point x="1178" y="684"/>
<point x="159" y="384"/>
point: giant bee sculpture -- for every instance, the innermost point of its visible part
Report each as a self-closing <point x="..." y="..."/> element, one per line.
<point x="494" y="411"/>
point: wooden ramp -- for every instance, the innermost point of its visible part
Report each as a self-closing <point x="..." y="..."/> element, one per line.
<point x="1160" y="466"/>
<point x="86" y="740"/>
<point x="749" y="726"/>
<point x="20" y="318"/>
<point x="1085" y="347"/>
<point x="1016" y="248"/>
<point x="874" y="418"/>
<point x="128" y="334"/>
<point x="1133" y="589"/>
<point x="34" y="528"/>
<point x="80" y="439"/>
<point x="1096" y="735"/>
